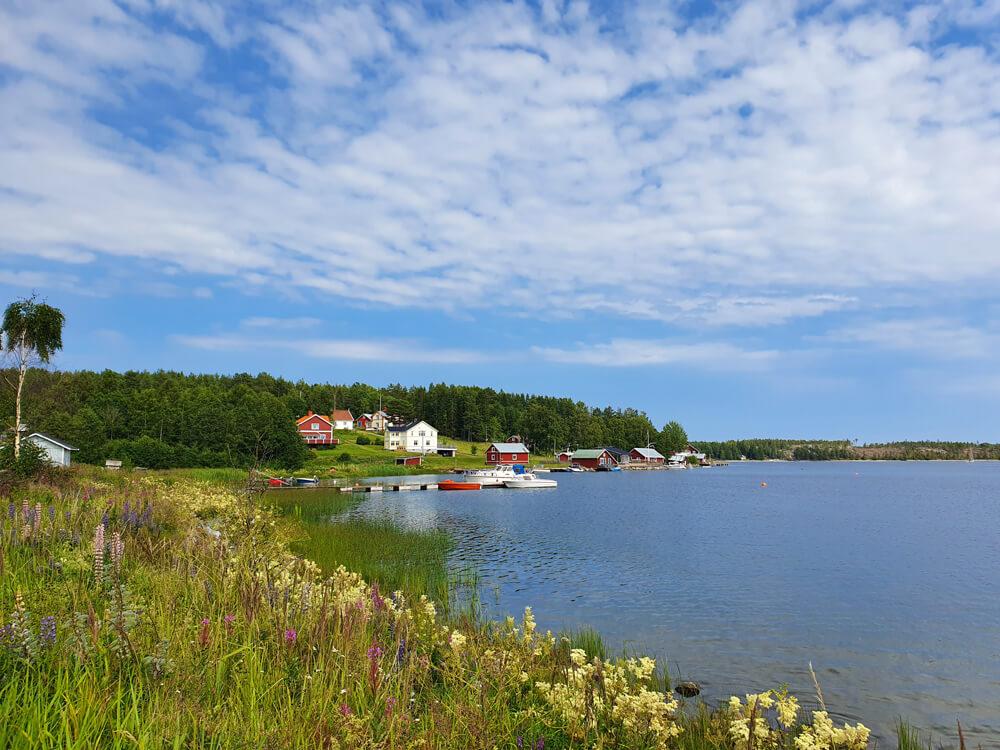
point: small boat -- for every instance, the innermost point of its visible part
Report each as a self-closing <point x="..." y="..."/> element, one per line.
<point x="574" y="467"/>
<point x="306" y="481"/>
<point x="528" y="481"/>
<point x="451" y="484"/>
<point x="278" y="482"/>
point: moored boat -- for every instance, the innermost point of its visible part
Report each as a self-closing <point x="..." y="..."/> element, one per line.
<point x="451" y="484"/>
<point x="491" y="477"/>
<point x="528" y="481"/>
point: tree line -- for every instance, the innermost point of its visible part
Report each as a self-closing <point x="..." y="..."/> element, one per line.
<point x="170" y="419"/>
<point x="832" y="450"/>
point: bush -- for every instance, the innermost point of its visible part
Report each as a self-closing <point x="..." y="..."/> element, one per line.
<point x="363" y="440"/>
<point x="344" y="458"/>
<point x="31" y="463"/>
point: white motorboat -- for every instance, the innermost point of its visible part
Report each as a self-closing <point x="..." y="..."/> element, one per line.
<point x="528" y="481"/>
<point x="491" y="477"/>
<point x="574" y="467"/>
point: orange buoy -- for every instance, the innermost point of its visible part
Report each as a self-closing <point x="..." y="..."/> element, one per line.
<point x="763" y="484"/>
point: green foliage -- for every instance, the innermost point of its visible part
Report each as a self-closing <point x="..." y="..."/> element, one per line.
<point x="35" y="326"/>
<point x="363" y="440"/>
<point x="344" y="458"/>
<point x="31" y="462"/>
<point x="671" y="439"/>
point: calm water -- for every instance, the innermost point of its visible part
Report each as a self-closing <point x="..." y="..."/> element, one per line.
<point x="887" y="580"/>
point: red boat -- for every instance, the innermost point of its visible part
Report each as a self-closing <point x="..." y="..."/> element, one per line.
<point x="451" y="484"/>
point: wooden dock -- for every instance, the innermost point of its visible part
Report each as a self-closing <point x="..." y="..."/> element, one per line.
<point x="390" y="487"/>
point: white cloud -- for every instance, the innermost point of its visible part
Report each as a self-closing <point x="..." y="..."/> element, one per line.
<point x="637" y="352"/>
<point x="371" y="350"/>
<point x="749" y="169"/>
<point x="937" y="337"/>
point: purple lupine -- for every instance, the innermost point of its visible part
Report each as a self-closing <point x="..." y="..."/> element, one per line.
<point x="47" y="635"/>
<point x="540" y="745"/>
<point x="105" y="520"/>
<point x="52" y="513"/>
<point x="76" y="538"/>
<point x="520" y="742"/>
<point x="11" y="510"/>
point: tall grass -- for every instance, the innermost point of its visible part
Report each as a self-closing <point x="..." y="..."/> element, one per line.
<point x="908" y="737"/>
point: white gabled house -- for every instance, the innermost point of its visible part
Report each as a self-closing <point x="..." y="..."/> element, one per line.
<point x="58" y="452"/>
<point x="417" y="436"/>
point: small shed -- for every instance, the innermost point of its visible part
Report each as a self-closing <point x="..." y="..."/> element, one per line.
<point x="448" y="451"/>
<point x="647" y="455"/>
<point x="594" y="458"/>
<point x="113" y="464"/>
<point x="564" y="456"/>
<point x="506" y="453"/>
<point x="409" y="460"/>
<point x="57" y="451"/>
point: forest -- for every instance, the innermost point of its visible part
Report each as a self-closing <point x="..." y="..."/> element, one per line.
<point x="170" y="419"/>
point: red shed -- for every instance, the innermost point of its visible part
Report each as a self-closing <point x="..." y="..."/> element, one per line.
<point x="507" y="453"/>
<point x="594" y="458"/>
<point x="316" y="429"/>
<point x="409" y="461"/>
<point x="647" y="455"/>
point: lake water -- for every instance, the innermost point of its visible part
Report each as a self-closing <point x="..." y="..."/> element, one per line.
<point x="886" y="576"/>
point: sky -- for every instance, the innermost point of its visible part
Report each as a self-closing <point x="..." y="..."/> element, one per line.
<point x="761" y="219"/>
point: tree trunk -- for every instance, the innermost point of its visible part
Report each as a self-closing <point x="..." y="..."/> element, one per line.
<point x="21" y="372"/>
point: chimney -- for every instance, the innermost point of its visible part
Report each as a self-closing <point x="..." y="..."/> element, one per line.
<point x="310" y="413"/>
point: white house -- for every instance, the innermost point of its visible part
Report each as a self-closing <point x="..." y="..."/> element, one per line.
<point x="342" y="419"/>
<point x="57" y="451"/>
<point x="417" y="436"/>
<point x="682" y="457"/>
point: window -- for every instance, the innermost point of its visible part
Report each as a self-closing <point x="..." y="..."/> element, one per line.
<point x="315" y="425"/>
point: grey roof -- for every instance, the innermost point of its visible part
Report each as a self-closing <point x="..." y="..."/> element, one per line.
<point x="56" y="441"/>
<point x="649" y="452"/>
<point x="510" y="447"/>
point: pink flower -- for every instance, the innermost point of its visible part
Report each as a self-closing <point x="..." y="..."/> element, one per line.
<point x="290" y="636"/>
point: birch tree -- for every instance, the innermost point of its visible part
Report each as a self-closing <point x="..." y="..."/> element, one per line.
<point x="32" y="333"/>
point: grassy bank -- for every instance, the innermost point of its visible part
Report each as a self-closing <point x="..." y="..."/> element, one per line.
<point x="154" y="613"/>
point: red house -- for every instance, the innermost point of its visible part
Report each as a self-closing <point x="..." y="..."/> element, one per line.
<point x="647" y="456"/>
<point x="507" y="453"/>
<point x="364" y="421"/>
<point x="316" y="429"/>
<point x="594" y="458"/>
<point x="564" y="456"/>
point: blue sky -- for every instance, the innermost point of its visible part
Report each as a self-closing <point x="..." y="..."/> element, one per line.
<point x="761" y="218"/>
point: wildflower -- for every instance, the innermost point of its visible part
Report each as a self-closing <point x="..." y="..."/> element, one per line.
<point x="290" y="636"/>
<point x="52" y="513"/>
<point x="343" y="691"/>
<point x="38" y="517"/>
<point x="99" y="553"/>
<point x="47" y="635"/>
<point x="457" y="641"/>
<point x="11" y="510"/>
<point x="345" y="710"/>
<point x="390" y="703"/>
<point x="117" y="550"/>
<point x="229" y="620"/>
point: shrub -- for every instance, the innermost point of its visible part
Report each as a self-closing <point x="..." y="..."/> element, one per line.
<point x="31" y="463"/>
<point x="344" y="458"/>
<point x="364" y="440"/>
